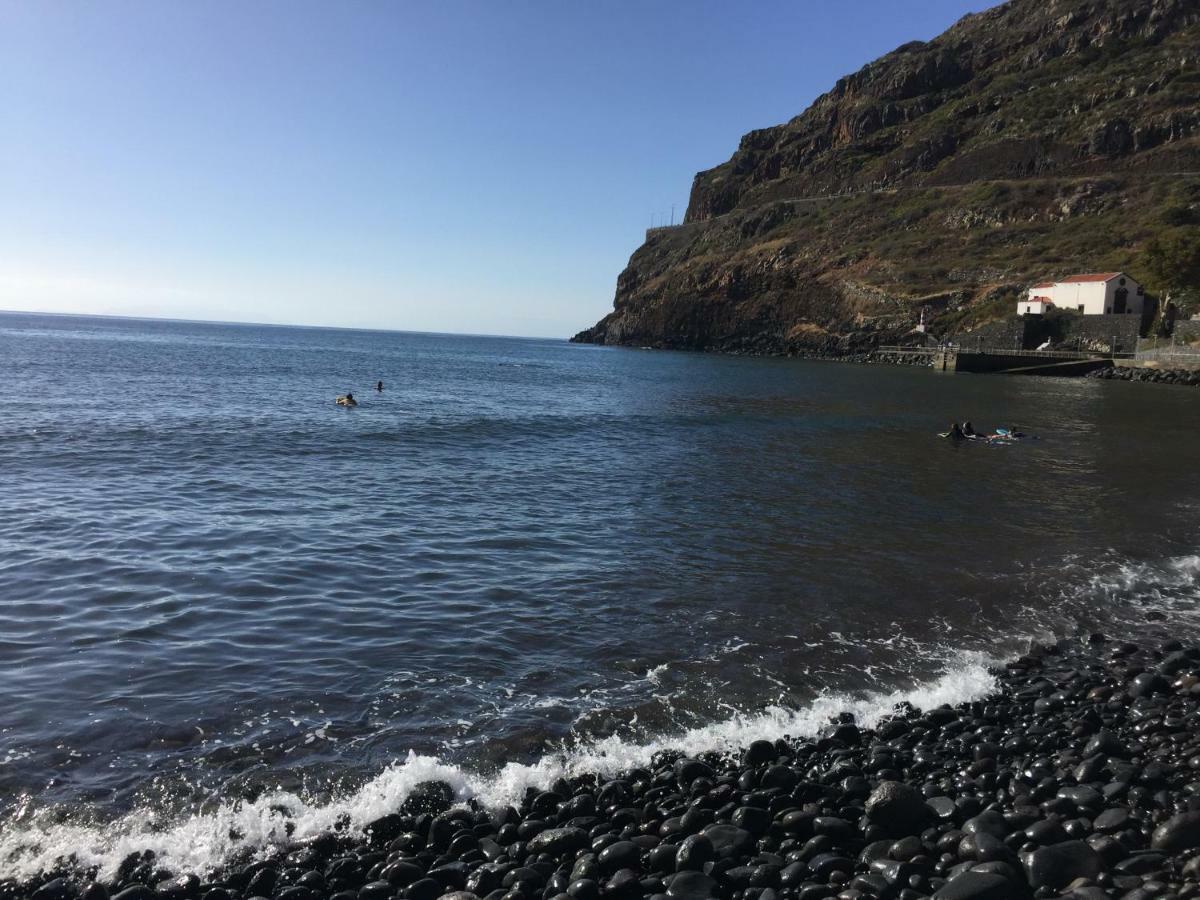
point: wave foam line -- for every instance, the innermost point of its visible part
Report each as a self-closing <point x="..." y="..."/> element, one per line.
<point x="201" y="842"/>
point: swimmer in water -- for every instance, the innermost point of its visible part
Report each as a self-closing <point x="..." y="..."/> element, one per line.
<point x="955" y="433"/>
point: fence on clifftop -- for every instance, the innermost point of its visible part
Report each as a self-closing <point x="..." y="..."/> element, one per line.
<point x="660" y="228"/>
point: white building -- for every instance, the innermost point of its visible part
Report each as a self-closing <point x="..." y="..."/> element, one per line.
<point x="1036" y="303"/>
<point x="1093" y="294"/>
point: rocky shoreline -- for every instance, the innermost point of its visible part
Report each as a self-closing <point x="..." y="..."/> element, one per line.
<point x="865" y="357"/>
<point x="1188" y="377"/>
<point x="1078" y="777"/>
<point x="869" y="357"/>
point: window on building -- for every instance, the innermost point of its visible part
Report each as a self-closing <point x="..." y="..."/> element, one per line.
<point x="1122" y="282"/>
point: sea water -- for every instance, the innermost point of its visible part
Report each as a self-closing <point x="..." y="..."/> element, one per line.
<point x="230" y="609"/>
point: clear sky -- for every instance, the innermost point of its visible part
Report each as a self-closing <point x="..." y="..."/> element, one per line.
<point x="480" y="167"/>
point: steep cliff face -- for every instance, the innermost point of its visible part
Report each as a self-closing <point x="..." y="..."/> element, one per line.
<point x="1038" y="137"/>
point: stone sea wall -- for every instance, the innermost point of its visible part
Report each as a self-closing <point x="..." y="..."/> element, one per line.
<point x="1189" y="377"/>
<point x="1100" y="332"/>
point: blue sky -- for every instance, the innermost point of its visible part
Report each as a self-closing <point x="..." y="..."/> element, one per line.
<point x="438" y="166"/>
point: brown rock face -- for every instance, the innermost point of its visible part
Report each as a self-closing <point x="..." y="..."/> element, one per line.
<point x="937" y="171"/>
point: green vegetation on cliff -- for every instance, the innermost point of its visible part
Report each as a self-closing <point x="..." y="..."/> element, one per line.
<point x="1030" y="141"/>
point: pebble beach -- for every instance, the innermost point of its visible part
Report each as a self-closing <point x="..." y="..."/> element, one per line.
<point x="1079" y="776"/>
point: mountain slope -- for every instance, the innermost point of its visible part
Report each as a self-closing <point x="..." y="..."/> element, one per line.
<point x="1036" y="138"/>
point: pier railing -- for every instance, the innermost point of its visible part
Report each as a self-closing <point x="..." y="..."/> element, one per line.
<point x="1050" y="354"/>
<point x="1168" y="352"/>
<point x="999" y="351"/>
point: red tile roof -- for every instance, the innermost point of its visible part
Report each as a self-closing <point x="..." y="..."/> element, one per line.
<point x="1044" y="284"/>
<point x="1093" y="276"/>
<point x="1042" y="300"/>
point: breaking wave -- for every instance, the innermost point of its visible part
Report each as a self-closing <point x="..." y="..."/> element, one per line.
<point x="202" y="841"/>
<point x="1136" y="599"/>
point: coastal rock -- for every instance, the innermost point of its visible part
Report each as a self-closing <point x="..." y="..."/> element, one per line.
<point x="692" y="886"/>
<point x="55" y="889"/>
<point x="782" y="777"/>
<point x="694" y="852"/>
<point x="183" y="887"/>
<point x="425" y="889"/>
<point x="897" y="809"/>
<point x="1112" y="820"/>
<point x="688" y="770"/>
<point x="1181" y="832"/>
<point x="1147" y="684"/>
<point x="728" y="840"/>
<point x="753" y="819"/>
<point x="1104" y="743"/>
<point x="402" y="873"/>
<point x="621" y="855"/>
<point x="757" y="753"/>
<point x="978" y="886"/>
<point x="583" y="889"/>
<point x="433" y="797"/>
<point x="557" y="841"/>
<point x="1059" y="864"/>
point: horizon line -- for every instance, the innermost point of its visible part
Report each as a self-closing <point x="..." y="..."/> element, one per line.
<point x="71" y="315"/>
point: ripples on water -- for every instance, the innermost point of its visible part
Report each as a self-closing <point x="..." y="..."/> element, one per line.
<point x="216" y="586"/>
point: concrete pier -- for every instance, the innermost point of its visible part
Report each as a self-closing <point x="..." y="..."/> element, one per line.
<point x="1018" y="362"/>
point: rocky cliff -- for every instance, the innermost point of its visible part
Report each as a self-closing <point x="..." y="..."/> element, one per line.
<point x="1037" y="138"/>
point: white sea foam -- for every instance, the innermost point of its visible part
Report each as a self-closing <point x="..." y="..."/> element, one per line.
<point x="654" y="675"/>
<point x="1121" y="591"/>
<point x="201" y="841"/>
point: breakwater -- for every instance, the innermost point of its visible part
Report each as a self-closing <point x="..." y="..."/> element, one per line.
<point x="1189" y="377"/>
<point x="1071" y="775"/>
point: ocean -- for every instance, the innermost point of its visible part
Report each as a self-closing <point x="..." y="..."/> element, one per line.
<point x="233" y="612"/>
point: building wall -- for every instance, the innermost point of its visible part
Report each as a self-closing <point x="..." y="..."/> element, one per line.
<point x="1097" y="298"/>
<point x="1135" y="302"/>
<point x="1087" y="297"/>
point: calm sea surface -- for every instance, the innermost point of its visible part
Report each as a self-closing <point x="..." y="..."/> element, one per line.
<point x="222" y="596"/>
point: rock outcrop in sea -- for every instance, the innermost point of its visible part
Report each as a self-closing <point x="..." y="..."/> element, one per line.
<point x="1027" y="142"/>
<point x="1079" y="777"/>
